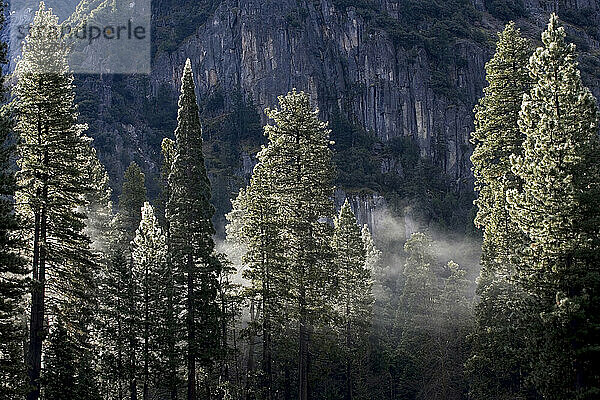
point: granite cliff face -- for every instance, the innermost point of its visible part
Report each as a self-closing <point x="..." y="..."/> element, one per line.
<point x="344" y="64"/>
<point x="350" y="65"/>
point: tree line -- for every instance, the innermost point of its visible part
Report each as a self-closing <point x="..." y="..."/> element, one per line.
<point x="136" y="300"/>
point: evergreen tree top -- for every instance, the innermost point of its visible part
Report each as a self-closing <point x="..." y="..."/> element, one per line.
<point x="554" y="35"/>
<point x="555" y="53"/>
<point x="188" y="117"/>
<point x="559" y="108"/>
<point x="347" y="218"/>
<point x="189" y="208"/>
<point x="511" y="50"/>
<point x="149" y="242"/>
<point x="419" y="248"/>
<point x="346" y="229"/>
<point x="188" y="134"/>
<point x="497" y="136"/>
<point x="296" y="111"/>
<point x="131" y="200"/>
<point x="508" y="79"/>
<point x="559" y="162"/>
<point x="298" y="157"/>
<point x="133" y="193"/>
<point x="148" y="223"/>
<point x="44" y="49"/>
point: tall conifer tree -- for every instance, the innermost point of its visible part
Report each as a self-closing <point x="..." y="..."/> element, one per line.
<point x="416" y="315"/>
<point x="168" y="329"/>
<point x="189" y="212"/>
<point x="149" y="256"/>
<point x="372" y="253"/>
<point x="280" y="223"/>
<point x="354" y="297"/>
<point x="259" y="230"/>
<point x="558" y="209"/>
<point x="100" y="229"/>
<point x="54" y="157"/>
<point x="298" y="159"/>
<point x="497" y="362"/>
<point x="131" y="201"/>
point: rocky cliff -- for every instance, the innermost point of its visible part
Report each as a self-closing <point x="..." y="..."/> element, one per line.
<point x="393" y="68"/>
<point x="265" y="48"/>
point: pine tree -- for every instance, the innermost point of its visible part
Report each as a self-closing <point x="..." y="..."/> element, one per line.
<point x="131" y="201"/>
<point x="189" y="212"/>
<point x="259" y="231"/>
<point x="416" y="314"/>
<point x="118" y="308"/>
<point x="496" y="138"/>
<point x="498" y="360"/>
<point x="100" y="229"/>
<point x="168" y="330"/>
<point x="354" y="297"/>
<point x="383" y="311"/>
<point x="455" y="324"/>
<point x="557" y="208"/>
<point x="279" y="223"/>
<point x="298" y="159"/>
<point x="149" y="256"/>
<point x="12" y="268"/>
<point x="419" y="287"/>
<point x="114" y="311"/>
<point x="234" y="230"/>
<point x="54" y="156"/>
<point x="249" y="248"/>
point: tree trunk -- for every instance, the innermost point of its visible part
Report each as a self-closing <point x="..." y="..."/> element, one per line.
<point x="36" y="331"/>
<point x="287" y="393"/>
<point x="349" y="353"/>
<point x="250" y="361"/>
<point x="191" y="356"/>
<point x="133" y="386"/>
<point x="267" y="358"/>
<point x="120" y="374"/>
<point x="132" y="332"/>
<point x="34" y="353"/>
<point x="146" y="336"/>
<point x="303" y="350"/>
<point x="225" y="368"/>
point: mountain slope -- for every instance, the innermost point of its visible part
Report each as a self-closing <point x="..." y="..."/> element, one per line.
<point x="397" y="79"/>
